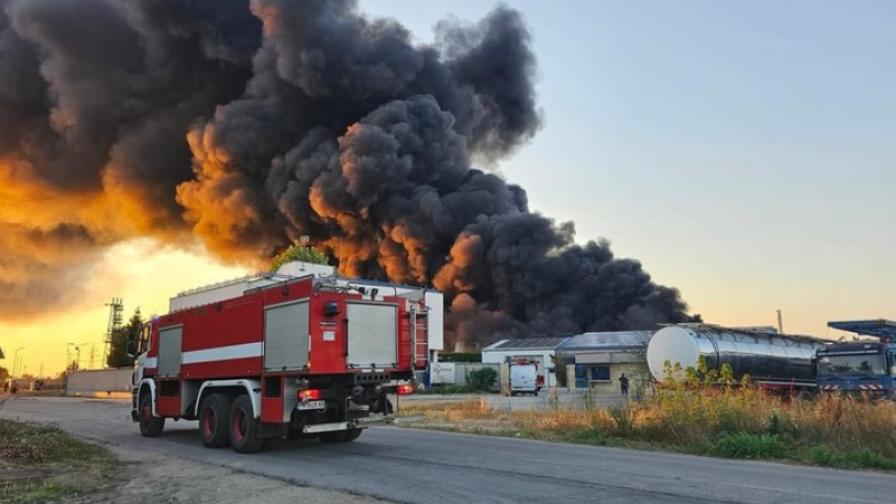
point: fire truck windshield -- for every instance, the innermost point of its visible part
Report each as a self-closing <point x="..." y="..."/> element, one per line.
<point x="143" y="343"/>
<point x="861" y="365"/>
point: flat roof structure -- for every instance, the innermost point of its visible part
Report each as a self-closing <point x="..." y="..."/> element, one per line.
<point x="877" y="328"/>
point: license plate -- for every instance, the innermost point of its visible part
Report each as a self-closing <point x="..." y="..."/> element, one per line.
<point x="311" y="405"/>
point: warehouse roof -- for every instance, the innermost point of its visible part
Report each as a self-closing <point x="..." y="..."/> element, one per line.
<point x="597" y="341"/>
<point x="525" y="344"/>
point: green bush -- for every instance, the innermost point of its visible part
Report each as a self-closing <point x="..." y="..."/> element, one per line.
<point x="773" y="423"/>
<point x="482" y="379"/>
<point x="559" y="363"/>
<point x="853" y="459"/>
<point x="745" y="445"/>
<point x="592" y="436"/>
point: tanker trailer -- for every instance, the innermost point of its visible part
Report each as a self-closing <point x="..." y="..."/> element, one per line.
<point x="772" y="360"/>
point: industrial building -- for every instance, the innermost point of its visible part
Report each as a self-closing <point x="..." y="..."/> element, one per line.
<point x="596" y="360"/>
<point x="592" y="360"/>
<point x="538" y="349"/>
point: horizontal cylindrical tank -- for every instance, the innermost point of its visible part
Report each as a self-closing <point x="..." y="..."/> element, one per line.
<point x="766" y="357"/>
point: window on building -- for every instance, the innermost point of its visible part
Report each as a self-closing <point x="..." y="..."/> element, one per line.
<point x="581" y="375"/>
<point x="600" y="373"/>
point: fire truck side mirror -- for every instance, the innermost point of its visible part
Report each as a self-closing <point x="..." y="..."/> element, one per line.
<point x="331" y="308"/>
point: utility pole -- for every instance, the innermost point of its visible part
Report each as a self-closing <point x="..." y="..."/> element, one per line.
<point x="116" y="308"/>
<point x="15" y="360"/>
<point x="77" y="361"/>
<point x="780" y="323"/>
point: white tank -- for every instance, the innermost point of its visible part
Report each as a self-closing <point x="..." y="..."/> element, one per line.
<point x="766" y="357"/>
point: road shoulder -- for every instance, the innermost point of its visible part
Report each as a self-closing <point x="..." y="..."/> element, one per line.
<point x="153" y="477"/>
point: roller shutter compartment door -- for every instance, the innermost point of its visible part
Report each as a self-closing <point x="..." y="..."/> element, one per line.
<point x="170" y="351"/>
<point x="372" y="335"/>
<point x="286" y="337"/>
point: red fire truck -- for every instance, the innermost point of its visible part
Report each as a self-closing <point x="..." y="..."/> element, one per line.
<point x="284" y="354"/>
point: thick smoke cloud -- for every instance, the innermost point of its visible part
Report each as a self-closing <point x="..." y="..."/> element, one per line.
<point x="249" y="124"/>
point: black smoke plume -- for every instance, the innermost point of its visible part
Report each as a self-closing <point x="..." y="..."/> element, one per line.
<point x="249" y="124"/>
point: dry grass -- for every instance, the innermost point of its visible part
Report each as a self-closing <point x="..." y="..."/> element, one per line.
<point x="41" y="463"/>
<point x="744" y="422"/>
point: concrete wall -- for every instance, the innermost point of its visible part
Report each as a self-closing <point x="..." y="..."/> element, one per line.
<point x="98" y="381"/>
<point x="462" y="369"/>
<point x="22" y="385"/>
<point x="638" y="380"/>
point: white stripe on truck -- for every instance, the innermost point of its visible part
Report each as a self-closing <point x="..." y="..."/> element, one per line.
<point x="243" y="351"/>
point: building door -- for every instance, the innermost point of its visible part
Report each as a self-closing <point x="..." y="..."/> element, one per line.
<point x="581" y="376"/>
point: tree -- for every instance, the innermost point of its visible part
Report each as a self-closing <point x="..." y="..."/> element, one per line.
<point x="118" y="348"/>
<point x="299" y="252"/>
<point x="4" y="373"/>
<point x="560" y="361"/>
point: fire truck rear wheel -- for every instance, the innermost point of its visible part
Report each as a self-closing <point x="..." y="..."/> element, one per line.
<point x="150" y="426"/>
<point x="244" y="426"/>
<point x="345" y="436"/>
<point x="214" y="415"/>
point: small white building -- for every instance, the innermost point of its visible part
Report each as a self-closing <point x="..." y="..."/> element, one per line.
<point x="598" y="360"/>
<point x="540" y="350"/>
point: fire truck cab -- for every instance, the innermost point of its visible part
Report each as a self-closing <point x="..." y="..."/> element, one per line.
<point x="300" y="352"/>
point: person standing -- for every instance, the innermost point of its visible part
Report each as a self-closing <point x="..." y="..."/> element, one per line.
<point x="623" y="385"/>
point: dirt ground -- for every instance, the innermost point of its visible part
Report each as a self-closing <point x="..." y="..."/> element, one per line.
<point x="152" y="478"/>
<point x="91" y="472"/>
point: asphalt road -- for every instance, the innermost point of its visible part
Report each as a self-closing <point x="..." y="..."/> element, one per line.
<point x="420" y="466"/>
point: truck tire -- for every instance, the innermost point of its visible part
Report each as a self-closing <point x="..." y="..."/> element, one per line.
<point x="244" y="436"/>
<point x="345" y="436"/>
<point x="214" y="415"/>
<point x="150" y="426"/>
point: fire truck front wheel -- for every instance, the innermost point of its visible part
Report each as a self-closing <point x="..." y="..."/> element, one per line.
<point x="214" y="415"/>
<point x="244" y="435"/>
<point x="150" y="426"/>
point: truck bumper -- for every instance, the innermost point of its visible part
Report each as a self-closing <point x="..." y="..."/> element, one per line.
<point x="359" y="423"/>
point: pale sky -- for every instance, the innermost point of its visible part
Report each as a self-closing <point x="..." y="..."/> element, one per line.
<point x="744" y="152"/>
